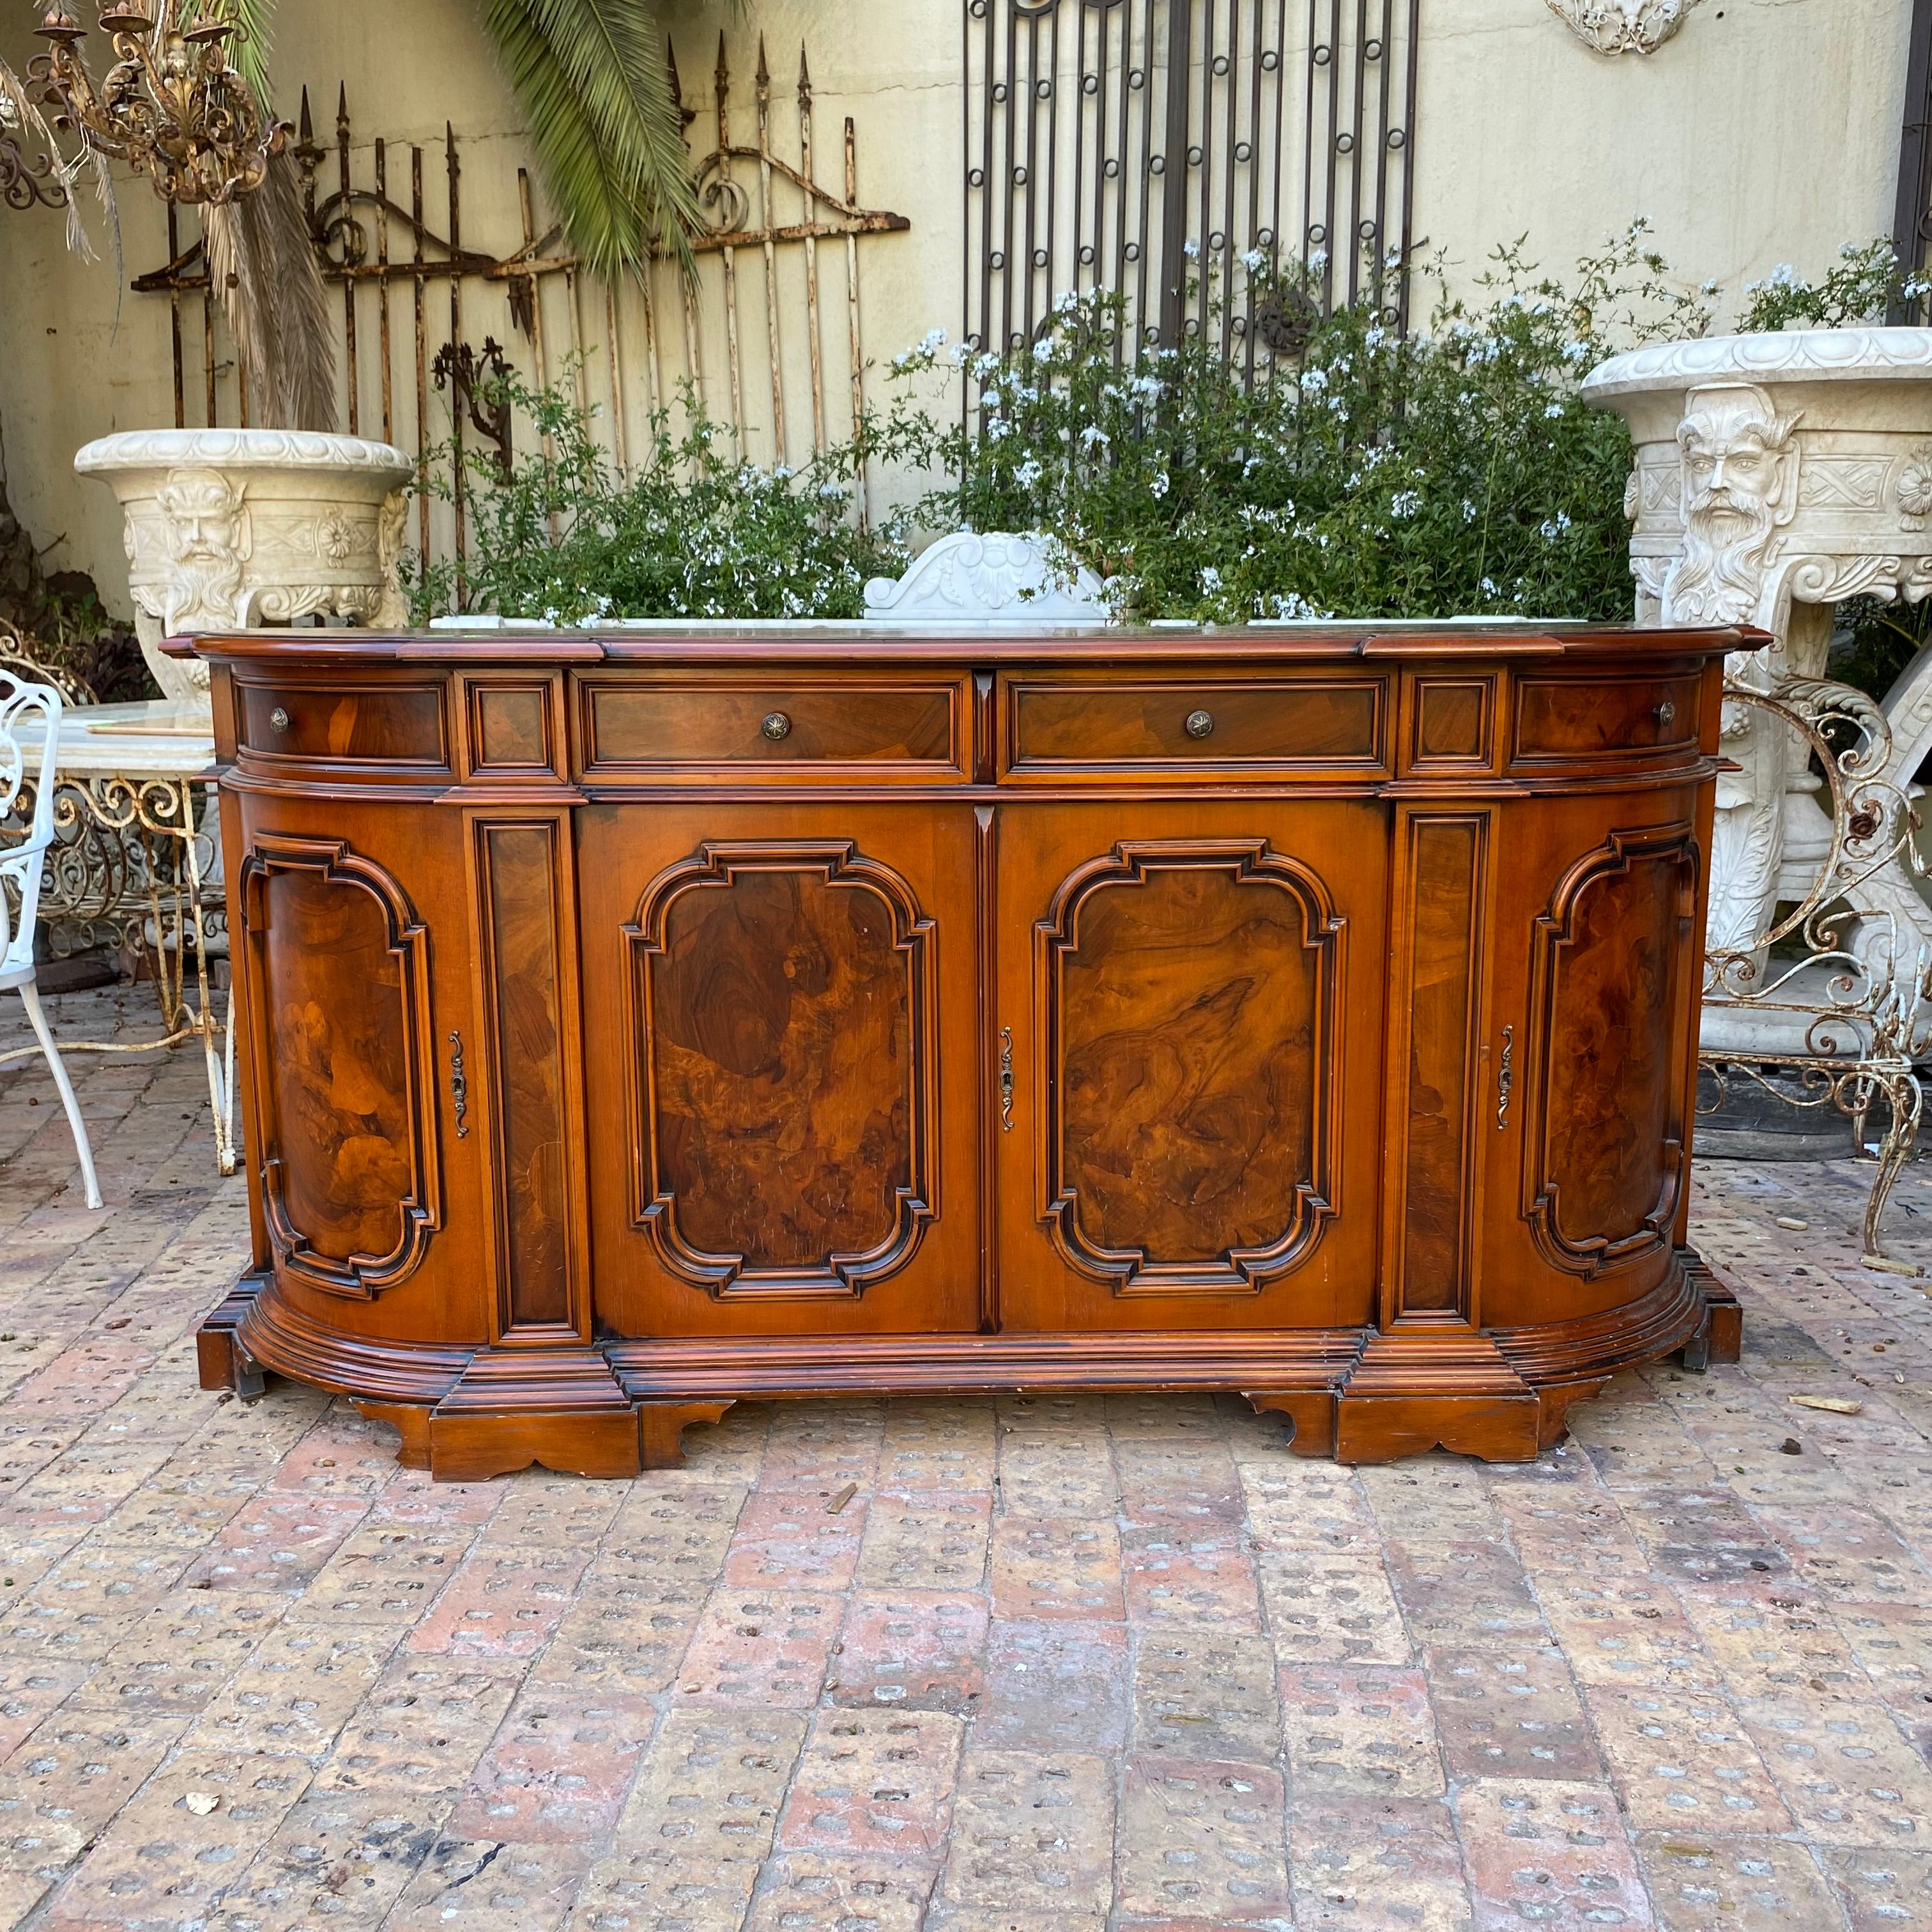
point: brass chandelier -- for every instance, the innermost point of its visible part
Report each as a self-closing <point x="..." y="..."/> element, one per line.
<point x="171" y="106"/>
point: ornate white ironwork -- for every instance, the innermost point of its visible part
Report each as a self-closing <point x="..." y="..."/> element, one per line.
<point x="1857" y="982"/>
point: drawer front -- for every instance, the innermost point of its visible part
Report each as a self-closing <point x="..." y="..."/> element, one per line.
<point x="1061" y="728"/>
<point x="884" y="730"/>
<point x="1559" y="719"/>
<point x="386" y="724"/>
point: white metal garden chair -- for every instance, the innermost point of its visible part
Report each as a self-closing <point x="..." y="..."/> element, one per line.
<point x="21" y="866"/>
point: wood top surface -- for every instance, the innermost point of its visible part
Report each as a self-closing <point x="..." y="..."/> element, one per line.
<point x="859" y="643"/>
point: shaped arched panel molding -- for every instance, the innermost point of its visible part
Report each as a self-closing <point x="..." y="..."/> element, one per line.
<point x="785" y="1042"/>
<point x="338" y="974"/>
<point x="1188" y="1012"/>
<point x="1613" y="1005"/>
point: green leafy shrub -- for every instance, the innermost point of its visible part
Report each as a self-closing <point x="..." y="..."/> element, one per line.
<point x="1452" y="472"/>
<point x="1863" y="287"/>
<point x="693" y="531"/>
<point x="1455" y="471"/>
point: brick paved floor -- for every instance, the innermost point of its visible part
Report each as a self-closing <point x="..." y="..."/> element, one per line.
<point x="1057" y="1666"/>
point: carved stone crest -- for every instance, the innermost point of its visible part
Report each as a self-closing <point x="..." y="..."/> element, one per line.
<point x="1622" y="26"/>
<point x="997" y="577"/>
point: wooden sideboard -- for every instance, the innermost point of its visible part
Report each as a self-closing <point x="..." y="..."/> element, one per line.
<point x="633" y="1024"/>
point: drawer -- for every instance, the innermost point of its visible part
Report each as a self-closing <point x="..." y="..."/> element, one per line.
<point x="1558" y="719"/>
<point x="386" y="724"/>
<point x="1060" y="726"/>
<point x="883" y="729"/>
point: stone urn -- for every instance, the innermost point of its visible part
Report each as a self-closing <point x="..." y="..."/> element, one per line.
<point x="1776" y="474"/>
<point x="228" y="529"/>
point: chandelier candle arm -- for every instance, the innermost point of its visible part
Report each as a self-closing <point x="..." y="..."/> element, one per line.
<point x="171" y="106"/>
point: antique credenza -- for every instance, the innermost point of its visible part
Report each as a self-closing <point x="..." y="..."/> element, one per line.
<point x="633" y="1023"/>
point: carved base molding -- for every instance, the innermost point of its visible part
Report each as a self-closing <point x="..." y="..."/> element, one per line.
<point x="622" y="1407"/>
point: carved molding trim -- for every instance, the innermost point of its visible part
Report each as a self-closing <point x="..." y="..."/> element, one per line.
<point x="1622" y="26"/>
<point x="1237" y="1271"/>
<point x="1675" y="845"/>
<point x="360" y="1277"/>
<point x="720" y="863"/>
<point x="1793" y="355"/>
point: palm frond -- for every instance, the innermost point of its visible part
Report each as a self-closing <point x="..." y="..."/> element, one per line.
<point x="594" y="82"/>
<point x="248" y="51"/>
<point x="260" y="256"/>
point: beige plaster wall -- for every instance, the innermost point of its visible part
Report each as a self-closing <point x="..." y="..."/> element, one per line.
<point x="1767" y="131"/>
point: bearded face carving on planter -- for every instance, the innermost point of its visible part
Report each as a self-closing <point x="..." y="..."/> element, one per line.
<point x="208" y="539"/>
<point x="1738" y="469"/>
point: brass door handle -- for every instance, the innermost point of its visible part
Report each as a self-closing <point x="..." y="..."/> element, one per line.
<point x="1006" y="1080"/>
<point x="459" y="1085"/>
<point x="1505" y="1077"/>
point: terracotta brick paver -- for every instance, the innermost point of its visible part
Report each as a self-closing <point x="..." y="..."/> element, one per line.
<point x="1059" y="1664"/>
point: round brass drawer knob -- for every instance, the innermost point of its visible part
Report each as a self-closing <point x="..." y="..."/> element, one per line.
<point x="777" y="725"/>
<point x="1200" y="723"/>
<point x="1664" y="713"/>
<point x="278" y="719"/>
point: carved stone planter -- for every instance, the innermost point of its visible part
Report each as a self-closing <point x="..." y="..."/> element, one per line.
<point x="228" y="529"/>
<point x="1776" y="474"/>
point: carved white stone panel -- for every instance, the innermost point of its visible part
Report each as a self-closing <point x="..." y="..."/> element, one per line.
<point x="1622" y="26"/>
<point x="995" y="577"/>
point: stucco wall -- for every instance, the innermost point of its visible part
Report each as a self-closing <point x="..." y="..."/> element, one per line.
<point x="1767" y="131"/>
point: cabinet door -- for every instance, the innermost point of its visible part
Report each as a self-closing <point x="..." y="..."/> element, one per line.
<point x="780" y="1020"/>
<point x="1596" y="985"/>
<point x="1190" y="1009"/>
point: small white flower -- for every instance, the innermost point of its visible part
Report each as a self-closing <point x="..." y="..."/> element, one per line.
<point x="1210" y="579"/>
<point x="1252" y="258"/>
<point x="1406" y="503"/>
<point x="1158" y="485"/>
<point x="1554" y="409"/>
<point x="1488" y="586"/>
<point x="1042" y="350"/>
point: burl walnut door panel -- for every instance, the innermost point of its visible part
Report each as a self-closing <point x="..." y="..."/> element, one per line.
<point x="1597" y="981"/>
<point x="1191" y="1001"/>
<point x="352" y="977"/>
<point x="783" y="1128"/>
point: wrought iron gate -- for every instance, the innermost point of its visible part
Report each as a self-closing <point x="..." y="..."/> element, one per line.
<point x="1912" y="223"/>
<point x="1147" y="147"/>
<point x="760" y="338"/>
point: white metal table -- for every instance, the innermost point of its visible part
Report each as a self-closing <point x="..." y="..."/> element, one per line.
<point x="138" y="854"/>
